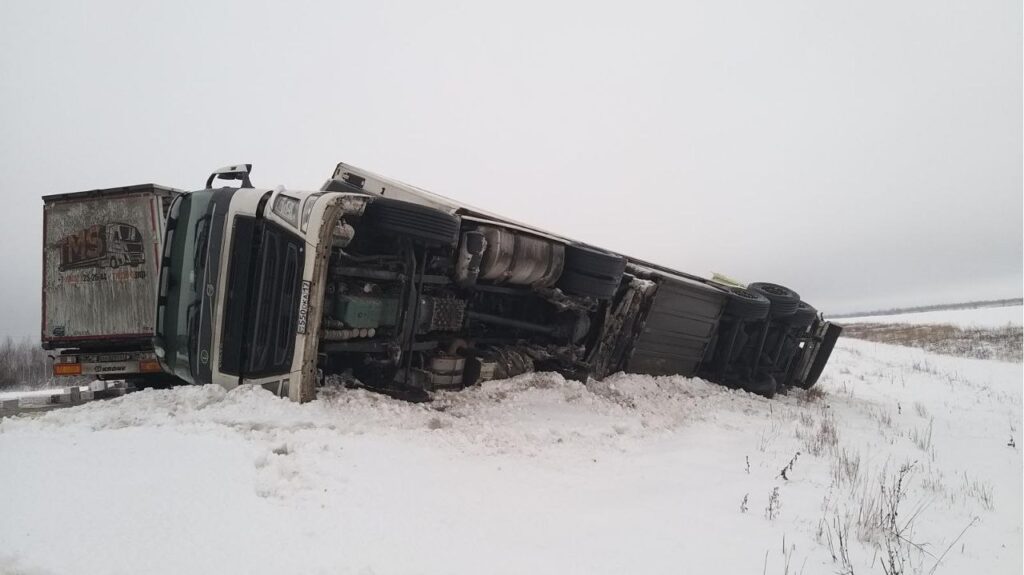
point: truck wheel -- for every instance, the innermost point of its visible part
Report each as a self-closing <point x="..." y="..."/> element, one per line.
<point x="804" y="315"/>
<point x="589" y="286"/>
<point x="113" y="263"/>
<point x="590" y="272"/>
<point x="746" y="304"/>
<point x="784" y="301"/>
<point x="413" y="221"/>
<point x="594" y="262"/>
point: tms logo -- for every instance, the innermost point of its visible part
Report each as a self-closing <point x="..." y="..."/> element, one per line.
<point x="102" y="246"/>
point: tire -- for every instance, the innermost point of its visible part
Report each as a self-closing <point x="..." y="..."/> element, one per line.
<point x="577" y="283"/>
<point x="591" y="272"/>
<point x="784" y="301"/>
<point x="593" y="262"/>
<point x="745" y="304"/>
<point x="413" y="221"/>
<point x="113" y="263"/>
<point x="804" y="315"/>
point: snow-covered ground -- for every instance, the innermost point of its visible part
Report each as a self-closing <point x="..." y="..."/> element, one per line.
<point x="31" y="394"/>
<point x="966" y="318"/>
<point x="532" y="475"/>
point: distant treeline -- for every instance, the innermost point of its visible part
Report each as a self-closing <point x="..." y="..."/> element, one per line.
<point x="23" y="364"/>
<point x="901" y="310"/>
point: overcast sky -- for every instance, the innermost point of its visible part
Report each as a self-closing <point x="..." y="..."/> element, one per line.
<point x="867" y="154"/>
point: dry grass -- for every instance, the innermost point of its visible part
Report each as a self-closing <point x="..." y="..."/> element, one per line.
<point x="825" y="438"/>
<point x="922" y="438"/>
<point x="979" y="490"/>
<point x="774" y="504"/>
<point x="878" y="517"/>
<point x="1002" y="343"/>
<point x="820" y="434"/>
<point x="846" y="469"/>
<point x="813" y="394"/>
<point x="883" y="417"/>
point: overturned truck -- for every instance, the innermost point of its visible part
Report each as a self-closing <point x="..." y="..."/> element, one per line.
<point x="407" y="292"/>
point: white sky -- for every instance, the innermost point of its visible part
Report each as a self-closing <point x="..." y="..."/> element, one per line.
<point x="868" y="154"/>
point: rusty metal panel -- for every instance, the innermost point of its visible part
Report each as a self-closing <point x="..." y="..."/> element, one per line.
<point x="101" y="255"/>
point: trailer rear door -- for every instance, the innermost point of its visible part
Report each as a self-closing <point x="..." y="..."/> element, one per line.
<point x="101" y="252"/>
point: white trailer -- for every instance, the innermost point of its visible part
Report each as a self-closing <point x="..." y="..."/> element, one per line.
<point x="101" y="263"/>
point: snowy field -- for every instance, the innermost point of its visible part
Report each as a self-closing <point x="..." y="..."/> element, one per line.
<point x="532" y="475"/>
<point x="976" y="317"/>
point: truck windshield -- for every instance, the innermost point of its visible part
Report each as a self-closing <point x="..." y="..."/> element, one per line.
<point x="182" y="278"/>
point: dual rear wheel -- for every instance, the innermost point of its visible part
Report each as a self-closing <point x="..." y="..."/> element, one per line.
<point x="591" y="272"/>
<point x="764" y="310"/>
<point x="767" y="300"/>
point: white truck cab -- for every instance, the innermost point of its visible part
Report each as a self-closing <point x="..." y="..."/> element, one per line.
<point x="241" y="267"/>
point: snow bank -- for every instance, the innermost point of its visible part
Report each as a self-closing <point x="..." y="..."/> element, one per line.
<point x="531" y="474"/>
